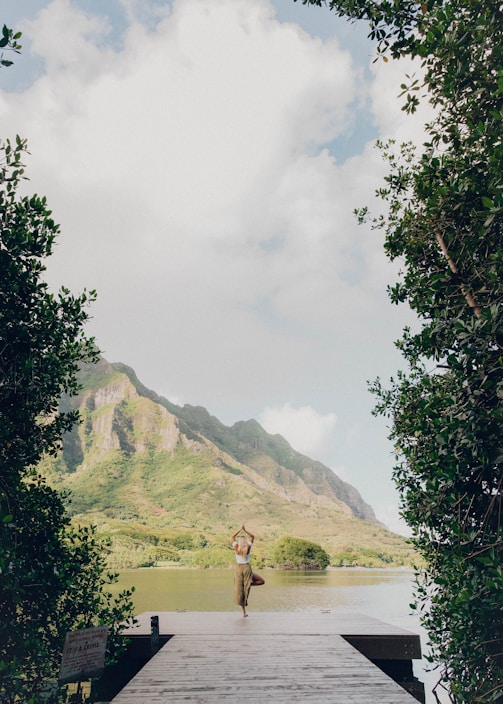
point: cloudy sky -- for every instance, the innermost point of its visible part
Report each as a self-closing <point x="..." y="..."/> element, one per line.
<point x="203" y="158"/>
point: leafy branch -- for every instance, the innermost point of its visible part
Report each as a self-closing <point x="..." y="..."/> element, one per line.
<point x="9" y="41"/>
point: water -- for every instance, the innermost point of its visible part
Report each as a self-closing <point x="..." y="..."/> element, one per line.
<point x="383" y="594"/>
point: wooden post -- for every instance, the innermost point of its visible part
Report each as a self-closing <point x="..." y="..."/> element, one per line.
<point x="154" y="635"/>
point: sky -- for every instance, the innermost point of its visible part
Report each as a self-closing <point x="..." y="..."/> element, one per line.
<point x="203" y="159"/>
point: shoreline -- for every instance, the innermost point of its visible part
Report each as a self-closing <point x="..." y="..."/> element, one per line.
<point x="195" y="568"/>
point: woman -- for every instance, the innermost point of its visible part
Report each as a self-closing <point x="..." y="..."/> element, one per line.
<point x="244" y="578"/>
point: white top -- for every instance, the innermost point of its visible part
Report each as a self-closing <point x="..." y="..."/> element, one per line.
<point x="239" y="558"/>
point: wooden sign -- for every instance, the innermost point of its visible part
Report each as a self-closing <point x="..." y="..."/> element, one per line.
<point x="83" y="654"/>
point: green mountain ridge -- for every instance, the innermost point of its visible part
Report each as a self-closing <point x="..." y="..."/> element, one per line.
<point x="171" y="483"/>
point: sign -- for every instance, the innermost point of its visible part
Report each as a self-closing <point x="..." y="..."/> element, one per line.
<point x="83" y="654"/>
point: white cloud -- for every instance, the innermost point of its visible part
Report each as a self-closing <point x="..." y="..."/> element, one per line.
<point x="307" y="430"/>
<point x="174" y="164"/>
<point x="67" y="40"/>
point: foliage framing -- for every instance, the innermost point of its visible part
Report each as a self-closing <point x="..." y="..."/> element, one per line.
<point x="53" y="576"/>
<point x="444" y="222"/>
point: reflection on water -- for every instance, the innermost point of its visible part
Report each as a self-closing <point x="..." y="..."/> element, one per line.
<point x="383" y="594"/>
<point x="211" y="590"/>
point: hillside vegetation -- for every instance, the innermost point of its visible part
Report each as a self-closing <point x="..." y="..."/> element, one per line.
<point x="169" y="485"/>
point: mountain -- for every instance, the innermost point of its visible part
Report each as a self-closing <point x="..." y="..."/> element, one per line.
<point x="171" y="483"/>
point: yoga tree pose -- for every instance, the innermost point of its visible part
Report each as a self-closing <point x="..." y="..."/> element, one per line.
<point x="244" y="577"/>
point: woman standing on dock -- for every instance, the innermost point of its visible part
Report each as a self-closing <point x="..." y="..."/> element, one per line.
<point x="244" y="577"/>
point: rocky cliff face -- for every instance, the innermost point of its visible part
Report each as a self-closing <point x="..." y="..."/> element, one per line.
<point x="116" y="418"/>
<point x="273" y="457"/>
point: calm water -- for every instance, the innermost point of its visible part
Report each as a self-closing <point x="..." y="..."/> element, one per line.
<point x="383" y="594"/>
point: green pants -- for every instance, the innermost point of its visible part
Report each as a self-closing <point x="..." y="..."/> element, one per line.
<point x="242" y="584"/>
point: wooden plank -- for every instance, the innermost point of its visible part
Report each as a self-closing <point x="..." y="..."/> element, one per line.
<point x="264" y="622"/>
<point x="374" y="638"/>
<point x="246" y="668"/>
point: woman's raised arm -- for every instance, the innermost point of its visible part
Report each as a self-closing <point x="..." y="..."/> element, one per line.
<point x="250" y="535"/>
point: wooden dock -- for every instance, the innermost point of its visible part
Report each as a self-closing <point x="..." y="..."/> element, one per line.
<point x="275" y="656"/>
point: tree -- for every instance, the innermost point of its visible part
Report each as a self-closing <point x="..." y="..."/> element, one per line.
<point x="444" y="210"/>
<point x="52" y="575"/>
<point x="299" y="554"/>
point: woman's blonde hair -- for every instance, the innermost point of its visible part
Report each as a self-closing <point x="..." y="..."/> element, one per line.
<point x="243" y="545"/>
